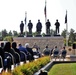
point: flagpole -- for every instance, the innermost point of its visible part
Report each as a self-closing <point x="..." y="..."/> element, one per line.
<point x="66" y="34"/>
<point x="25" y="24"/>
<point x="45" y="14"/>
<point x="66" y="30"/>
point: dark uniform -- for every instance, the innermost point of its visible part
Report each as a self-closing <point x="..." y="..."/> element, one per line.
<point x="39" y="27"/>
<point x="30" y="26"/>
<point x="21" y="27"/>
<point x="57" y="24"/>
<point x="48" y="24"/>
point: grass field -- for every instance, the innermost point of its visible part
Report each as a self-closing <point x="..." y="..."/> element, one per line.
<point x="63" y="69"/>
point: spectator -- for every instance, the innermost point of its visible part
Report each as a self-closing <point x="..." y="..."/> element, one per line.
<point x="36" y="46"/>
<point x="21" y="48"/>
<point x="29" y="50"/>
<point x="2" y="55"/>
<point x="7" y="48"/>
<point x="2" y="44"/>
<point x="64" y="52"/>
<point x="56" y="52"/>
<point x="36" y="49"/>
<point x="46" y="51"/>
<point x="55" y="49"/>
<point x="14" y="46"/>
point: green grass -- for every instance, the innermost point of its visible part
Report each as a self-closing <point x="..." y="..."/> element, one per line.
<point x="63" y="69"/>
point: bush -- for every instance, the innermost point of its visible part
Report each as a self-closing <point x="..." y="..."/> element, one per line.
<point x="8" y="38"/>
<point x="31" y="67"/>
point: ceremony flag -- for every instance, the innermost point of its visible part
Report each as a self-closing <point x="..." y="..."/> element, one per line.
<point x="66" y="17"/>
<point x="25" y="24"/>
<point x="25" y="17"/>
<point x="45" y="10"/>
<point x="45" y="13"/>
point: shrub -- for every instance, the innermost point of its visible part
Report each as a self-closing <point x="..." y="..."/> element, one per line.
<point x="31" y="67"/>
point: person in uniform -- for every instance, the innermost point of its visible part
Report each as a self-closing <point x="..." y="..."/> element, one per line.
<point x="30" y="26"/>
<point x="48" y="24"/>
<point x="57" y="25"/>
<point x="39" y="27"/>
<point x="21" y="27"/>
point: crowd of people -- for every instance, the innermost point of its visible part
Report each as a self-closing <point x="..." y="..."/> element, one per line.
<point x="55" y="52"/>
<point x="13" y="48"/>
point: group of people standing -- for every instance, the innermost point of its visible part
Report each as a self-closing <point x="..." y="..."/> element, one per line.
<point x="39" y="27"/>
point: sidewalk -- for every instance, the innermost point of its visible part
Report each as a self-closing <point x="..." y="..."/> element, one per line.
<point x="68" y="58"/>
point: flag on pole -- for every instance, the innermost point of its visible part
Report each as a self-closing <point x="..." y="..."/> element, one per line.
<point x="66" y="17"/>
<point x="25" y="17"/>
<point x="66" y="29"/>
<point x="45" y="13"/>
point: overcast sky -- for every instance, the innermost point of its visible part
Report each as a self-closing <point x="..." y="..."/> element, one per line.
<point x="12" y="12"/>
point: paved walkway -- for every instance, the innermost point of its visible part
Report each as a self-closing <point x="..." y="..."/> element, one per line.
<point x="68" y="58"/>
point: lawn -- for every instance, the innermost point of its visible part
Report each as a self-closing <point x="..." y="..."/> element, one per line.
<point x="63" y="69"/>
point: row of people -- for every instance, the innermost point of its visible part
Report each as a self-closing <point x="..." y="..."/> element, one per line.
<point x="59" y="53"/>
<point x="14" y="50"/>
<point x="39" y="26"/>
<point x="55" y="52"/>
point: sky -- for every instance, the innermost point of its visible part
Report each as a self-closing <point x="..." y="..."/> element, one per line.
<point x="12" y="12"/>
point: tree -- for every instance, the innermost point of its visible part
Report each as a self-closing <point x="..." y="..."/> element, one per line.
<point x="34" y="33"/>
<point x="15" y="33"/>
<point x="4" y="33"/>
<point x="10" y="33"/>
<point x="43" y="34"/>
<point x="75" y="36"/>
<point x="8" y="38"/>
<point x="72" y="35"/>
<point x="64" y="33"/>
